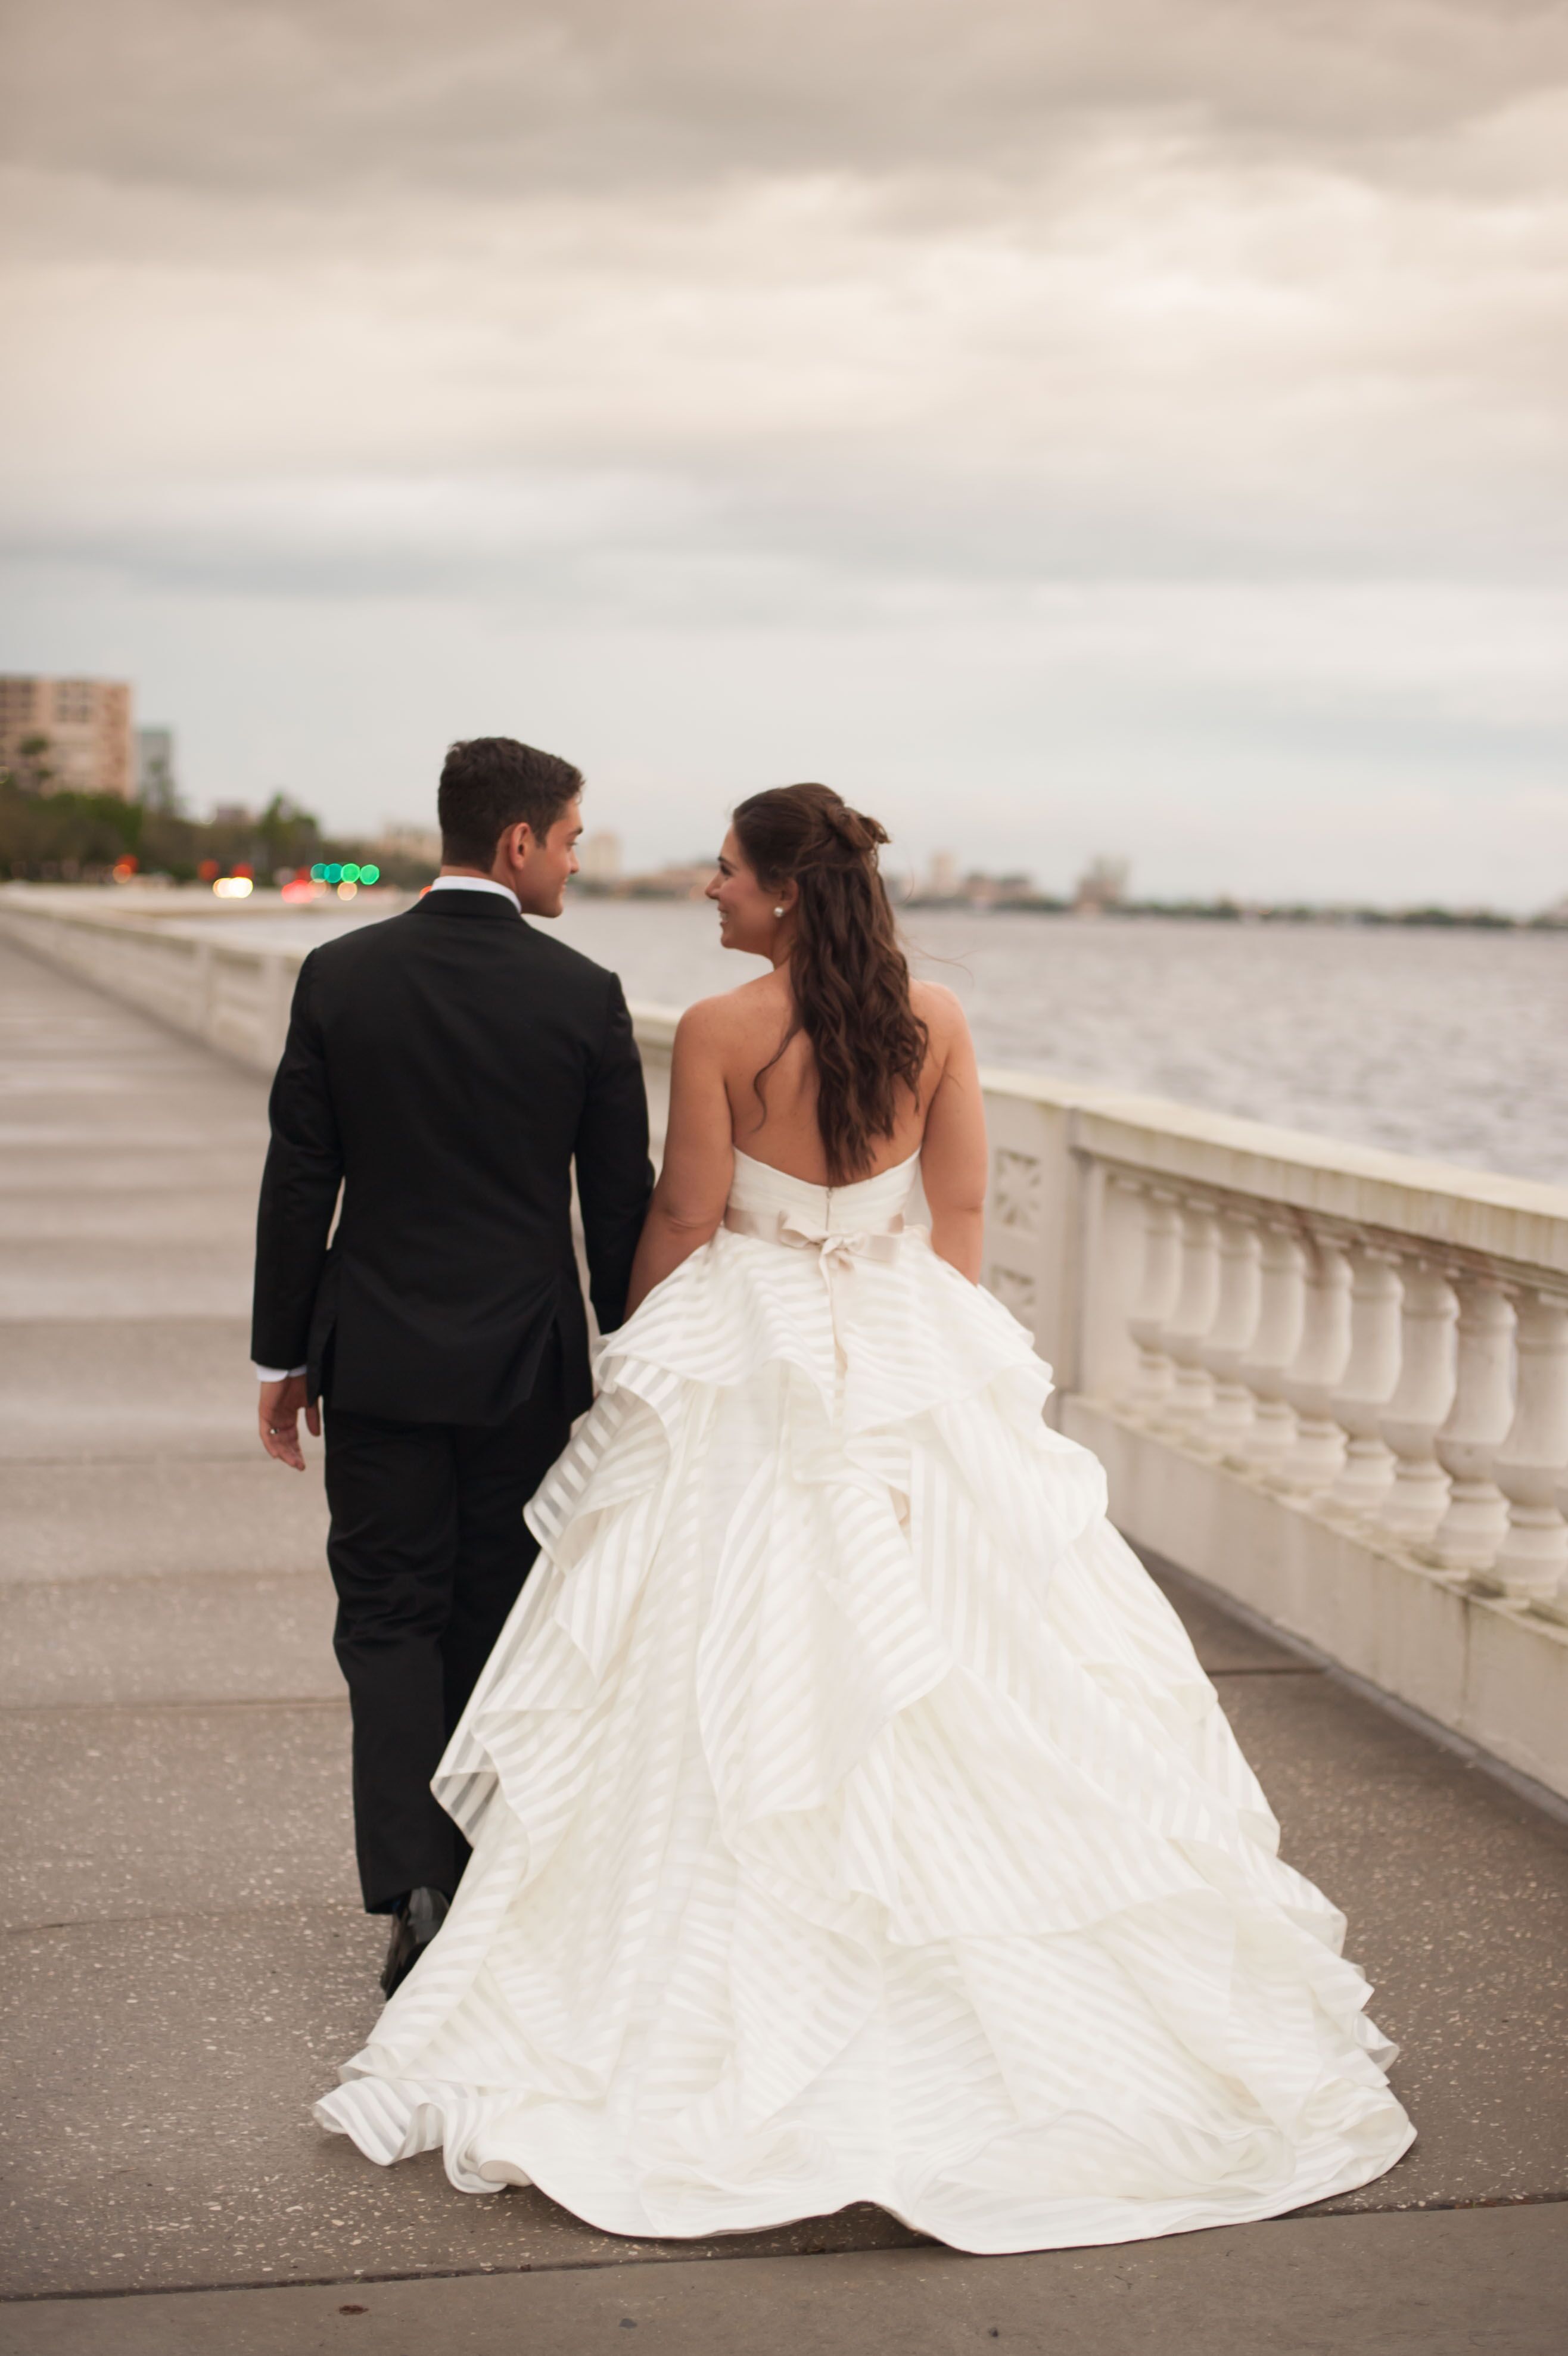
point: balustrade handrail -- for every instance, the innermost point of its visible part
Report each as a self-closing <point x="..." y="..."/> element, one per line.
<point x="1475" y="1214"/>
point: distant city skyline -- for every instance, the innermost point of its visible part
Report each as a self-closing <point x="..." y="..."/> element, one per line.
<point x="1073" y="432"/>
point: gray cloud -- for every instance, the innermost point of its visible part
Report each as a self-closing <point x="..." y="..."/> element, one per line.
<point x="316" y="94"/>
<point x="1045" y="344"/>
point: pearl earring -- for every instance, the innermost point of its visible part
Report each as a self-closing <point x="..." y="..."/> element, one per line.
<point x="779" y="912"/>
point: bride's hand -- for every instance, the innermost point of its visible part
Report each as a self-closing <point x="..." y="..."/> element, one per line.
<point x="699" y="1155"/>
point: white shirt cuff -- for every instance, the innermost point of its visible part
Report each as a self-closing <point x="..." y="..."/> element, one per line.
<point x="276" y="1373"/>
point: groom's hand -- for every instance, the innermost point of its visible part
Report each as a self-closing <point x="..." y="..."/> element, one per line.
<point x="278" y="1420"/>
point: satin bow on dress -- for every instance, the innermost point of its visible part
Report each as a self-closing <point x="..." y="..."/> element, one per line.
<point x="811" y="1227"/>
<point x="838" y="1251"/>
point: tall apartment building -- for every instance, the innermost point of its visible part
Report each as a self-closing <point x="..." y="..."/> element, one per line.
<point x="601" y="858"/>
<point x="944" y="882"/>
<point x="155" y="783"/>
<point x="86" y="724"/>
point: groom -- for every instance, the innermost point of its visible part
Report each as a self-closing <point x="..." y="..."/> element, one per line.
<point x="447" y="1069"/>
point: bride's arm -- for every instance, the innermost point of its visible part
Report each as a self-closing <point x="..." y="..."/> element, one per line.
<point x="699" y="1155"/>
<point x="954" y="1163"/>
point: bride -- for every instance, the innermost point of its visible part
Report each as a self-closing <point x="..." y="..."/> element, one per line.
<point x="852" y="1820"/>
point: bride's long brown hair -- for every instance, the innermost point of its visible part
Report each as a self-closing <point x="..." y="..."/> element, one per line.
<point x="848" y="974"/>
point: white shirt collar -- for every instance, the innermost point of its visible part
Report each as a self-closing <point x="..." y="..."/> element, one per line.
<point x="476" y="884"/>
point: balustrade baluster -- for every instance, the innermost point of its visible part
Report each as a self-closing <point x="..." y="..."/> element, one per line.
<point x="1198" y="1294"/>
<point x="1471" y="1531"/>
<point x="1418" y="1498"/>
<point x="1154" y="1376"/>
<point x="1112" y="1275"/>
<point x="1368" y="1383"/>
<point x="1281" y="1307"/>
<point x="1312" y="1379"/>
<point x="1229" y="1338"/>
<point x="1529" y="1467"/>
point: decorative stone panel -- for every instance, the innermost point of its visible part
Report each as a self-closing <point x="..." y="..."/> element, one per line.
<point x="1017" y="1192"/>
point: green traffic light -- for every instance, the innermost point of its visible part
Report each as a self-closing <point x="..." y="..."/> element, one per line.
<point x="351" y="872"/>
<point x="318" y="873"/>
<point x="370" y="874"/>
<point x="334" y="874"/>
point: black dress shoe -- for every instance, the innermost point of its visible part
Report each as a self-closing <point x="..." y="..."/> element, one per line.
<point x="414" y="1924"/>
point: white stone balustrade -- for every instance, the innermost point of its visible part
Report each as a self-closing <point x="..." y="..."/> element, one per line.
<point x="1223" y="1348"/>
<point x="1154" y="1377"/>
<point x="1417" y="1499"/>
<point x="1529" y="1467"/>
<point x="1282" y="1310"/>
<point x="1198" y="1299"/>
<point x="1313" y="1377"/>
<point x="1371" y="1370"/>
<point x="1332" y="1382"/>
<point x="1472" y="1529"/>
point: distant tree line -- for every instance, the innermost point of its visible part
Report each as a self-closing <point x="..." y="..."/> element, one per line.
<point x="47" y="835"/>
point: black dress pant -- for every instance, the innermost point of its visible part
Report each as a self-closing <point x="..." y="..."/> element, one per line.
<point x="429" y="1551"/>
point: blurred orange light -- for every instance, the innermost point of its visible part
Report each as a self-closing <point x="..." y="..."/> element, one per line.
<point x="347" y="891"/>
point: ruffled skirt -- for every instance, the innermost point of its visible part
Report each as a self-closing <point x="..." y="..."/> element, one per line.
<point x="852" y="1820"/>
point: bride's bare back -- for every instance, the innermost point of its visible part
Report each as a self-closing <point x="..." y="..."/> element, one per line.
<point x="775" y="1119"/>
<point x="716" y="1107"/>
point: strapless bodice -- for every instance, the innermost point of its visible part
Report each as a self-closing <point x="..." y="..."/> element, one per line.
<point x="765" y="1201"/>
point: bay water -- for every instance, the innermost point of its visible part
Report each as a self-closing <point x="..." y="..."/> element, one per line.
<point x="1448" y="1043"/>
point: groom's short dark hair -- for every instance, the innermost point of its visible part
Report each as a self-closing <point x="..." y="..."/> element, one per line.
<point x="491" y="783"/>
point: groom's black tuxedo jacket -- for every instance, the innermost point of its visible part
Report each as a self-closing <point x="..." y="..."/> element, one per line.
<point x="447" y="1066"/>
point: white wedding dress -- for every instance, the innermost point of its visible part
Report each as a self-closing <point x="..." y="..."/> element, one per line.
<point x="852" y="1819"/>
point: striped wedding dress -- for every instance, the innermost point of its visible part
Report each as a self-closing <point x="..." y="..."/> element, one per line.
<point x="852" y="1819"/>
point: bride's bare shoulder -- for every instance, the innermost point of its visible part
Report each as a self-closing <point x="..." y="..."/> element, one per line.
<point x="733" y="1014"/>
<point x="941" y="1009"/>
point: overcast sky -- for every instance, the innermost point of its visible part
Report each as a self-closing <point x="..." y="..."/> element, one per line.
<point x="1066" y="428"/>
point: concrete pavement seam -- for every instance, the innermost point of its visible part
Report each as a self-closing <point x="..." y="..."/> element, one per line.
<point x="157" y="1709"/>
<point x="655" y="2255"/>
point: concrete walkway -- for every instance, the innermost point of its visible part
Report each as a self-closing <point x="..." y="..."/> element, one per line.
<point x="185" y="1963"/>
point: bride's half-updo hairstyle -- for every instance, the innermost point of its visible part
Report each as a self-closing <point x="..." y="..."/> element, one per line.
<point x="847" y="972"/>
